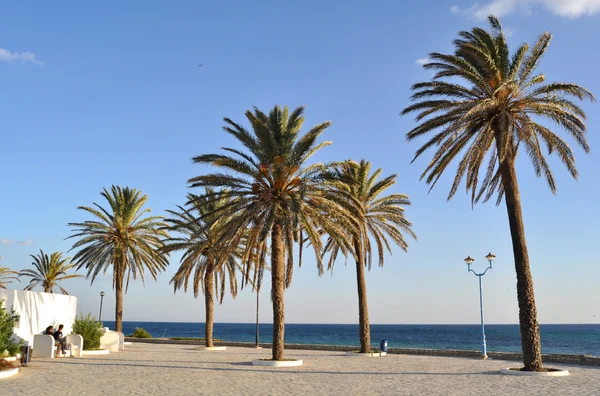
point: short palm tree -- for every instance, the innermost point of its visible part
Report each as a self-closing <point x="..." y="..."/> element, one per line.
<point x="7" y="276"/>
<point x="203" y="259"/>
<point x="378" y="217"/>
<point x="120" y="238"/>
<point x="275" y="196"/>
<point x="493" y="105"/>
<point x="49" y="270"/>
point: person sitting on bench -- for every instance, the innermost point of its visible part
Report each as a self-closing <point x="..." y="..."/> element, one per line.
<point x="60" y="340"/>
<point x="50" y="331"/>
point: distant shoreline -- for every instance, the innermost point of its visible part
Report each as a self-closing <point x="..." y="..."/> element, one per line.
<point x="371" y="324"/>
<point x="556" y="339"/>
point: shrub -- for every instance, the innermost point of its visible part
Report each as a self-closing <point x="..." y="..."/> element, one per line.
<point x="7" y="327"/>
<point x="140" y="333"/>
<point x="90" y="329"/>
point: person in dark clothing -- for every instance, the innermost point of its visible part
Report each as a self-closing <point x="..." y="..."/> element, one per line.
<point x="60" y="340"/>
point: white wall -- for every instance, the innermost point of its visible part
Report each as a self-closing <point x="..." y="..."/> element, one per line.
<point x="40" y="310"/>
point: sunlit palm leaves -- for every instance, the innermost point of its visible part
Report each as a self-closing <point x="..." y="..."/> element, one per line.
<point x="49" y="270"/>
<point x="269" y="183"/>
<point x="198" y="241"/>
<point x="485" y="103"/>
<point x="7" y="276"/>
<point x="379" y="217"/>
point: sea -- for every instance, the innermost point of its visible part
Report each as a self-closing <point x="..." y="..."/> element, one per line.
<point x="556" y="338"/>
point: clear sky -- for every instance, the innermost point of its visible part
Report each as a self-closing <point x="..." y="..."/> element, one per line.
<point x="101" y="93"/>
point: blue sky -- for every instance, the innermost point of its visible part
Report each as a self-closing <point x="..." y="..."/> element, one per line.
<point x="94" y="94"/>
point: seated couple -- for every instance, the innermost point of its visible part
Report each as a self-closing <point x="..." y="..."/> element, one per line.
<point x="59" y="339"/>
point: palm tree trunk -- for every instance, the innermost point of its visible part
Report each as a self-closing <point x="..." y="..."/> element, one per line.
<point x="120" y="275"/>
<point x="530" y="332"/>
<point x="277" y="289"/>
<point x="363" y="308"/>
<point x="47" y="289"/>
<point x="209" y="305"/>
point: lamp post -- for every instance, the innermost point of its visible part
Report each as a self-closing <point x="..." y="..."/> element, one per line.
<point x="469" y="260"/>
<point x="101" y="298"/>
<point x="258" y="284"/>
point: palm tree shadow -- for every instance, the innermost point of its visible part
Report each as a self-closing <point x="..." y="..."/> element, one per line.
<point x="262" y="370"/>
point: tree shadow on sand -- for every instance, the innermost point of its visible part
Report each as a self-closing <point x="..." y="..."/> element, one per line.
<point x="280" y="370"/>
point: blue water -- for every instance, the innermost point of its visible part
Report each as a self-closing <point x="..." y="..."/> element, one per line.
<point x="576" y="339"/>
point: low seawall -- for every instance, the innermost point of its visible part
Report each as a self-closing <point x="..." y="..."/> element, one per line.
<point x="585" y="360"/>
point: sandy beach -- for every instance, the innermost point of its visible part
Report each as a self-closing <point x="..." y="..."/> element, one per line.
<point x="147" y="369"/>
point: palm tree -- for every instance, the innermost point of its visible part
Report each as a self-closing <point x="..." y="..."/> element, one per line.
<point x="49" y="271"/>
<point x="121" y="238"/>
<point x="496" y="110"/>
<point x="378" y="216"/>
<point x="7" y="276"/>
<point x="275" y="196"/>
<point x="203" y="258"/>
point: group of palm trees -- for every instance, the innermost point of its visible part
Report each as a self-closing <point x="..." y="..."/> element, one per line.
<point x="264" y="203"/>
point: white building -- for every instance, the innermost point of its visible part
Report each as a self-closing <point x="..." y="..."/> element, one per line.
<point x="38" y="311"/>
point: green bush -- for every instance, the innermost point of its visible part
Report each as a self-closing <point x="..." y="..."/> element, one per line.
<point x="7" y="326"/>
<point x="140" y="333"/>
<point x="90" y="329"/>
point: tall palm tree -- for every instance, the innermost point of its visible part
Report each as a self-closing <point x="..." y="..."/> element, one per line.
<point x="492" y="105"/>
<point x="7" y="276"/>
<point x="378" y="217"/>
<point x="120" y="238"/>
<point x="203" y="259"/>
<point x="49" y="270"/>
<point x="275" y="196"/>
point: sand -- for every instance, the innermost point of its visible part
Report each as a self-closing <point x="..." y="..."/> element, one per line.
<point x="154" y="369"/>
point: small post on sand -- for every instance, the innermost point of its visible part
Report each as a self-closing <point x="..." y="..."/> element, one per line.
<point x="469" y="260"/>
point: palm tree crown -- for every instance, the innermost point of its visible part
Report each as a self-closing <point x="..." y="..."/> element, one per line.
<point x="272" y="186"/>
<point x="120" y="238"/>
<point x="200" y="250"/>
<point x="49" y="270"/>
<point x="7" y="276"/>
<point x="378" y="216"/>
<point x="274" y="195"/>
<point x="494" y="113"/>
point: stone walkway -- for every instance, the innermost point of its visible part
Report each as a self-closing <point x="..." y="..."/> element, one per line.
<point x="154" y="369"/>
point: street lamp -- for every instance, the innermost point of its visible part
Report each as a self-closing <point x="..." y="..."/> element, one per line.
<point x="469" y="260"/>
<point x="101" y="298"/>
<point x="258" y="284"/>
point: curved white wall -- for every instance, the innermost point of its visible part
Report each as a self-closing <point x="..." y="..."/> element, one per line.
<point x="40" y="310"/>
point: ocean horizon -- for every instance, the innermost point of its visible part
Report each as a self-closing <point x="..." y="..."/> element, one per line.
<point x="556" y="338"/>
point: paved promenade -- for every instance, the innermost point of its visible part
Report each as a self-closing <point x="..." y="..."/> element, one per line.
<point x="154" y="369"/>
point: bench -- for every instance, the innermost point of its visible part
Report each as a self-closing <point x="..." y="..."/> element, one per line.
<point x="44" y="346"/>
